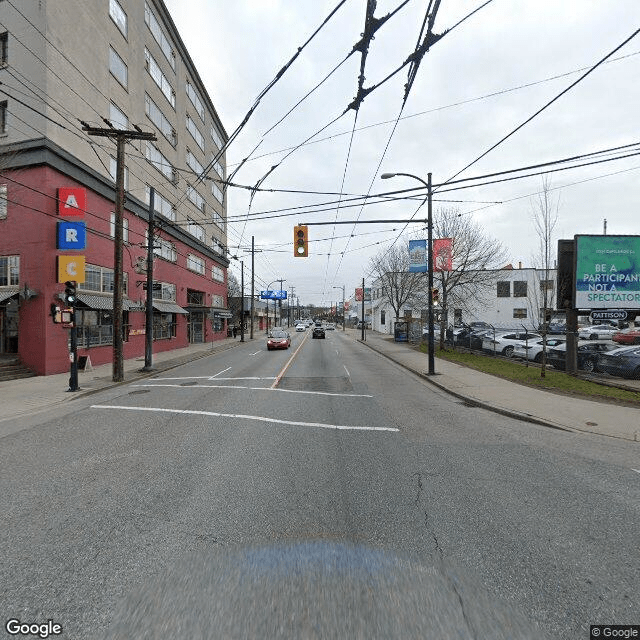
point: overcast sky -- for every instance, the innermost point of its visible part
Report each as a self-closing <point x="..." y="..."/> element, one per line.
<point x="468" y="94"/>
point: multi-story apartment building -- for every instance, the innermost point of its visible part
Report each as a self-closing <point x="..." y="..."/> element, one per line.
<point x="70" y="64"/>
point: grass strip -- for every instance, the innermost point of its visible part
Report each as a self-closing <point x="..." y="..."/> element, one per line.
<point x="554" y="380"/>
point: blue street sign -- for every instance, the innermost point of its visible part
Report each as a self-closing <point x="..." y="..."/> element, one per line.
<point x="273" y="295"/>
<point x="71" y="235"/>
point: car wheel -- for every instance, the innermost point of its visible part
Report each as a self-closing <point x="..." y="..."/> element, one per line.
<point x="588" y="365"/>
<point x="507" y="351"/>
<point x="538" y="358"/>
<point x="636" y="373"/>
<point x="593" y="336"/>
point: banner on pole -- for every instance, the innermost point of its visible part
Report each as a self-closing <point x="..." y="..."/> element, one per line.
<point x="443" y="254"/>
<point x="417" y="256"/>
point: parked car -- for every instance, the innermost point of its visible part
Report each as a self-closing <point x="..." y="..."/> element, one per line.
<point x="597" y="332"/>
<point x="557" y="328"/>
<point x="318" y="332"/>
<point x="588" y="353"/>
<point x="623" y="362"/>
<point x="330" y="326"/>
<point x="505" y="341"/>
<point x="532" y="350"/>
<point x="628" y="336"/>
<point x="301" y="327"/>
<point x="278" y="339"/>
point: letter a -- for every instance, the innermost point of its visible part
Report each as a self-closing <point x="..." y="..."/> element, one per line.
<point x="71" y="202"/>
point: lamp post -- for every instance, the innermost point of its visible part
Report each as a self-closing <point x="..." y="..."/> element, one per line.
<point x="280" y="280"/>
<point x="386" y="176"/>
<point x="342" y="287"/>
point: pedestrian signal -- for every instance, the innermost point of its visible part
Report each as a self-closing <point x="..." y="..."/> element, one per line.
<point x="435" y="295"/>
<point x="300" y="241"/>
<point x="70" y="292"/>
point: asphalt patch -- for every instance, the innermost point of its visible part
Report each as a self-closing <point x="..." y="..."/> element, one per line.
<point x="328" y="385"/>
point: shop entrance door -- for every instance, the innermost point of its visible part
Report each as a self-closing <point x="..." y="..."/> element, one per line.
<point x="196" y="327"/>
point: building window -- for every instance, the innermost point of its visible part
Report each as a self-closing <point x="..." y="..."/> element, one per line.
<point x="195" y="230"/>
<point x="163" y="248"/>
<point x="167" y="292"/>
<point x="217" y="273"/>
<point x="196" y="198"/>
<point x="159" y="78"/>
<point x="155" y="28"/>
<point x="118" y="16"/>
<point x="100" y="279"/>
<point x="194" y="164"/>
<point x="118" y="68"/>
<point x="9" y="270"/>
<point x="125" y="228"/>
<point x="504" y="289"/>
<point x="195" y="100"/>
<point x="195" y="132"/>
<point x="218" y="246"/>
<point x="216" y="137"/>
<point x="546" y="284"/>
<point x="195" y="298"/>
<point x="95" y="327"/>
<point x="520" y="289"/>
<point x="156" y="158"/>
<point x="160" y="204"/>
<point x="195" y="263"/>
<point x="113" y="171"/>
<point x="519" y="313"/>
<point x="3" y="117"/>
<point x="217" y="193"/>
<point x="118" y="118"/>
<point x="164" y="326"/>
<point x="154" y="113"/>
<point x="3" y="201"/>
<point x="217" y="167"/>
<point x="4" y="48"/>
<point x="382" y="317"/>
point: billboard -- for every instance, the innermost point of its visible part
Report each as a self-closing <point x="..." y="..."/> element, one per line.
<point x="273" y="295"/>
<point x="607" y="272"/>
<point x="417" y="256"/>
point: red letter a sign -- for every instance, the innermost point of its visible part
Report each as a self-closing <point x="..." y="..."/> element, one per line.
<point x="72" y="202"/>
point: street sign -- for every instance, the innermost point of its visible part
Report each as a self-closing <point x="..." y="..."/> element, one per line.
<point x="273" y="295"/>
<point x="608" y="314"/>
<point x="157" y="286"/>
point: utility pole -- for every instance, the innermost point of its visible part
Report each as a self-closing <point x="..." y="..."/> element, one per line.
<point x="279" y="302"/>
<point x="363" y="322"/>
<point x="242" y="301"/>
<point x="252" y="285"/>
<point x="121" y="137"/>
<point x="148" y="336"/>
<point x="289" y="310"/>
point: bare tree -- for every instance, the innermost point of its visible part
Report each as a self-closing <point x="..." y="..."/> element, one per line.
<point x="390" y="268"/>
<point x="234" y="293"/>
<point x="475" y="256"/>
<point x="545" y="218"/>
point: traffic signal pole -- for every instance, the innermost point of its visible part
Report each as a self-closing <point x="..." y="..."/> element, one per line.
<point x="148" y="332"/>
<point x="70" y="299"/>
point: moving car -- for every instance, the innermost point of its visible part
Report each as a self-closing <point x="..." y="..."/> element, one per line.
<point x="318" y="332"/>
<point x="588" y="353"/>
<point x="597" y="332"/>
<point x="532" y="350"/>
<point x="504" y="342"/>
<point x="278" y="339"/>
<point x="623" y="362"/>
<point x="330" y="326"/>
<point x="629" y="336"/>
<point x="301" y="327"/>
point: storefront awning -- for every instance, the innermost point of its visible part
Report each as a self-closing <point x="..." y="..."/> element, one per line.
<point x="168" y="307"/>
<point x="8" y="292"/>
<point x="104" y="303"/>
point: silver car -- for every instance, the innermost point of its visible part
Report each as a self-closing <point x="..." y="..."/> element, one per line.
<point x="532" y="350"/>
<point x="597" y="332"/>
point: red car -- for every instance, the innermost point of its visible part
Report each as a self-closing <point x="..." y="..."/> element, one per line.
<point x="628" y="336"/>
<point x="278" y="340"/>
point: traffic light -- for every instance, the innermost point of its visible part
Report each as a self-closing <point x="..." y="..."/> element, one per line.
<point x="300" y="241"/>
<point x="70" y="293"/>
<point x="435" y="295"/>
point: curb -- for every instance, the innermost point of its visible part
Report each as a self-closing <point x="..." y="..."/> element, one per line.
<point x="525" y="417"/>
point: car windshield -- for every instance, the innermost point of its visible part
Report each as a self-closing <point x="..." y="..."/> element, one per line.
<point x="277" y="334"/>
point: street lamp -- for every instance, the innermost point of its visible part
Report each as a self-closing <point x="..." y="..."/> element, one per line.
<point x="342" y="287"/>
<point x="386" y="176"/>
<point x="280" y="280"/>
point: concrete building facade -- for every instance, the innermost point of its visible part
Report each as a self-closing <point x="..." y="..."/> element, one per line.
<point x="113" y="64"/>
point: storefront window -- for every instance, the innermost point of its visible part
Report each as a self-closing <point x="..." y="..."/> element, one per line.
<point x="164" y="326"/>
<point x="95" y="327"/>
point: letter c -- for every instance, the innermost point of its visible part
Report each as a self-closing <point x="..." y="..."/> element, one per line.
<point x="72" y="269"/>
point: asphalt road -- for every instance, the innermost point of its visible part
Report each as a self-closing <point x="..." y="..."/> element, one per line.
<point x="318" y="492"/>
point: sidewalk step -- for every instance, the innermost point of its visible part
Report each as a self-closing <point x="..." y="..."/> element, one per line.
<point x="13" y="369"/>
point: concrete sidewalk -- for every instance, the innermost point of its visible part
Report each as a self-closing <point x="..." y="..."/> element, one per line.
<point x="33" y="395"/>
<point x="512" y="399"/>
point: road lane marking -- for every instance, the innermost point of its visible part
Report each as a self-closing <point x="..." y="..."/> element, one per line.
<point x="321" y="425"/>
<point x="210" y="378"/>
<point x="235" y="386"/>
<point x="636" y="470"/>
<point x="219" y="372"/>
<point x="347" y="370"/>
<point x="256" y="353"/>
<point x="276" y="382"/>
